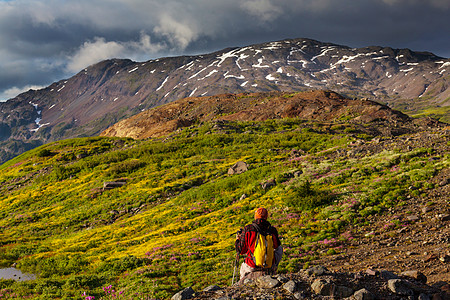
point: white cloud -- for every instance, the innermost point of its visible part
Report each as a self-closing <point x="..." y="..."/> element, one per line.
<point x="262" y="9"/>
<point x="99" y="49"/>
<point x="14" y="91"/>
<point x="94" y="51"/>
<point x="179" y="33"/>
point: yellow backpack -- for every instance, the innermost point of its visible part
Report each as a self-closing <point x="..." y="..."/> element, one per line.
<point x="264" y="252"/>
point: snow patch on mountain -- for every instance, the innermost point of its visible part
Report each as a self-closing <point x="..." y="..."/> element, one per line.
<point x="160" y="87"/>
<point x="193" y="92"/>
<point x="259" y="65"/>
<point x="323" y="52"/>
<point x="270" y="77"/>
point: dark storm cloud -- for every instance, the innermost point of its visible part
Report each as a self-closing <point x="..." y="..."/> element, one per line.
<point x="43" y="41"/>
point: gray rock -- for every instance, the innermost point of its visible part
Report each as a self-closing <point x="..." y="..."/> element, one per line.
<point x="423" y="297"/>
<point x="300" y="296"/>
<point x="414" y="274"/>
<point x="109" y="185"/>
<point x="342" y="292"/>
<point x="267" y="282"/>
<point x="81" y="155"/>
<point x="268" y="184"/>
<point x="316" y="270"/>
<point x="282" y="278"/>
<point x="388" y="275"/>
<point x="187" y="293"/>
<point x="212" y="288"/>
<point x="238" y="168"/>
<point x="290" y="286"/>
<point x="363" y="294"/>
<point x="400" y="287"/>
<point x="323" y="287"/>
<point x="372" y="272"/>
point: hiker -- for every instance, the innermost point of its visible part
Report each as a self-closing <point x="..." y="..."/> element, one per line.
<point x="265" y="260"/>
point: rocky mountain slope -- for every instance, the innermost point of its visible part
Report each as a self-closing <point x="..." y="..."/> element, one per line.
<point x="102" y="94"/>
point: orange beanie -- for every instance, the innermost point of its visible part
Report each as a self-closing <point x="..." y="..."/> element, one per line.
<point x="261" y="213"/>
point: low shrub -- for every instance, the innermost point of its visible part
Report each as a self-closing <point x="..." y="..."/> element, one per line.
<point x="304" y="197"/>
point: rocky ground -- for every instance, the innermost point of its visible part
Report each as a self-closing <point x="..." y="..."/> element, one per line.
<point x="320" y="283"/>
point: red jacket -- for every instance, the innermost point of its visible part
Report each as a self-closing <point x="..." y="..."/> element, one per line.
<point x="245" y="244"/>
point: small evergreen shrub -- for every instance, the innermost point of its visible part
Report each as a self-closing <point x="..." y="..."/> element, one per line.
<point x="304" y="197"/>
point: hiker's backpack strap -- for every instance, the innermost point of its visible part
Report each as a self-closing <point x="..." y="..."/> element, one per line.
<point x="258" y="232"/>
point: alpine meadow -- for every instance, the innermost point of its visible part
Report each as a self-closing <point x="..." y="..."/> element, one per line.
<point x="122" y="218"/>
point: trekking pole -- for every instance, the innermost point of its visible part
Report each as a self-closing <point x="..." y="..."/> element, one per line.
<point x="236" y="262"/>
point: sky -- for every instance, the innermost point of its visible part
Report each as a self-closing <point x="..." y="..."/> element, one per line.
<point x="43" y="41"/>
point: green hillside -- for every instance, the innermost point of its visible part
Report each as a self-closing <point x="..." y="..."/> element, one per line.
<point x="173" y="223"/>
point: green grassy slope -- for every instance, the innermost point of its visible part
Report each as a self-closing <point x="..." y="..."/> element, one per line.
<point x="172" y="225"/>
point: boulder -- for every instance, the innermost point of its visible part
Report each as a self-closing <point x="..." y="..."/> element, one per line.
<point x="323" y="287"/>
<point x="212" y="288"/>
<point x="281" y="278"/>
<point x="423" y="297"/>
<point x="187" y="293"/>
<point x="316" y="270"/>
<point x="363" y="294"/>
<point x="109" y="185"/>
<point x="372" y="272"/>
<point x="388" y="275"/>
<point x="268" y="184"/>
<point x="400" y="287"/>
<point x="267" y="282"/>
<point x="416" y="275"/>
<point x="238" y="168"/>
<point x="341" y="292"/>
<point x="290" y="286"/>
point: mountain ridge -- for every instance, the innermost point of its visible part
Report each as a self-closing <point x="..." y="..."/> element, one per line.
<point x="104" y="93"/>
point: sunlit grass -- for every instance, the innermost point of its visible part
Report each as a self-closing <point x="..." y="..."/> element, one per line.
<point x="173" y="223"/>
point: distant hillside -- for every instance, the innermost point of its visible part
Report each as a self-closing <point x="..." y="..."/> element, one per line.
<point x="102" y="94"/>
<point x="315" y="106"/>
